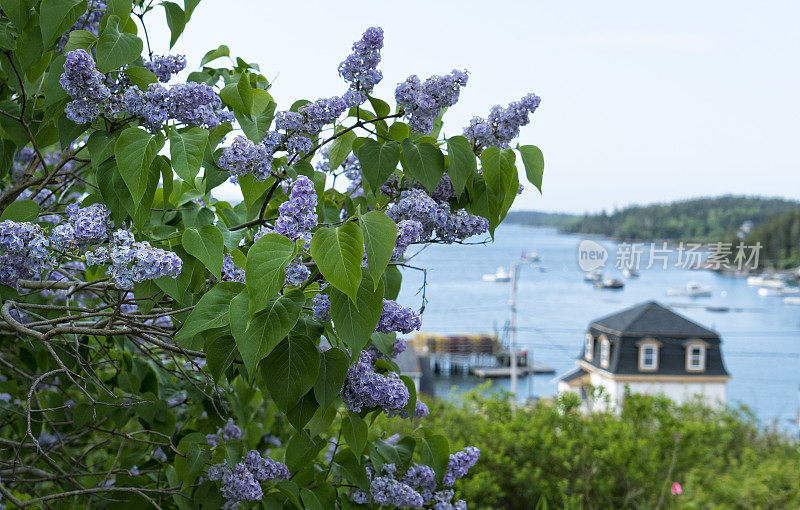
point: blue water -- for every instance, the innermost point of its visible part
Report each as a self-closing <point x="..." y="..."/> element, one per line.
<point x="761" y="346"/>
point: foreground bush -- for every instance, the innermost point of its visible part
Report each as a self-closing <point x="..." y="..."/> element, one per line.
<point x="554" y="455"/>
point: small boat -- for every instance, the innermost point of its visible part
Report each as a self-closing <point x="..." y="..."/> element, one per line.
<point x="531" y="257"/>
<point x="768" y="280"/>
<point x="630" y="272"/>
<point x="610" y="283"/>
<point x="711" y="308"/>
<point x="792" y="300"/>
<point x="501" y="275"/>
<point x="594" y="275"/>
<point x="778" y="291"/>
<point x="692" y="289"/>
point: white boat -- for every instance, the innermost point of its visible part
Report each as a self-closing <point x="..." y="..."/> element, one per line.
<point x="767" y="280"/>
<point x="692" y="289"/>
<point x="630" y="272"/>
<point x="501" y="275"/>
<point x="792" y="300"/>
<point x="594" y="275"/>
<point x="782" y="290"/>
<point x="610" y="283"/>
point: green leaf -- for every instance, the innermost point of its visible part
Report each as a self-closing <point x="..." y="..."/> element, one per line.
<point x="411" y="406"/>
<point x="392" y="279"/>
<point x="186" y="151"/>
<point x="121" y="8"/>
<point x="380" y="235"/>
<point x="114" y="191"/>
<point x="435" y="452"/>
<point x="462" y="163"/>
<point x="220" y="353"/>
<point x="21" y="210"/>
<point x="378" y="161"/>
<point x="18" y="11"/>
<point x="238" y="95"/>
<point x="310" y="500"/>
<point x="206" y="245"/>
<point x="500" y="175"/>
<point x="340" y="148"/>
<point x="351" y="469"/>
<point x="256" y="126"/>
<point x="196" y="457"/>
<point x="424" y="162"/>
<point x="80" y="39"/>
<point x="221" y="51"/>
<point x="302" y="413"/>
<point x="68" y="131"/>
<point x="290" y="370"/>
<point x="338" y="253"/>
<point x="176" y="287"/>
<point x="210" y="312"/>
<point x="57" y="16"/>
<point x="135" y="151"/>
<point x="257" y="336"/>
<point x="189" y="6"/>
<point x="301" y="450"/>
<point x="176" y="21"/>
<point x="355" y="320"/>
<point x="384" y="342"/>
<point x="115" y="48"/>
<point x="354" y="430"/>
<point x="140" y="76"/>
<point x="265" y="270"/>
<point x="533" y="159"/>
<point x="101" y="147"/>
<point x="332" y="372"/>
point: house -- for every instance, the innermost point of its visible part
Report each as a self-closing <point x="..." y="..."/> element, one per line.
<point x="649" y="349"/>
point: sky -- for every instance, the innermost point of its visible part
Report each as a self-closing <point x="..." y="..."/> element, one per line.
<point x="641" y="101"/>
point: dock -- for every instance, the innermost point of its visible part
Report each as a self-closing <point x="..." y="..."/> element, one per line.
<point x="500" y="372"/>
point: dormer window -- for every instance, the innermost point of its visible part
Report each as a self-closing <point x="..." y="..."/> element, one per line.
<point x="588" y="350"/>
<point x="696" y="356"/>
<point x="648" y="355"/>
<point x="605" y="352"/>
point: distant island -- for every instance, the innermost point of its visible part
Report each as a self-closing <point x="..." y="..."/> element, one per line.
<point x="772" y="221"/>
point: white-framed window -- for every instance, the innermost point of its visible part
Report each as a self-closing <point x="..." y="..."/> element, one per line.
<point x="648" y="357"/>
<point x="696" y="358"/>
<point x="605" y="352"/>
<point x="588" y="349"/>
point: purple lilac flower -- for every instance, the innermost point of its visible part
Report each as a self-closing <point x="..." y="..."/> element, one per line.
<point x="230" y="271"/>
<point x="25" y="251"/>
<point x="417" y="205"/>
<point x="134" y="471"/>
<point x="134" y="261"/>
<point x="239" y="484"/>
<point x="89" y="21"/>
<point x="212" y="440"/>
<point x="320" y="113"/>
<point x="422" y="102"/>
<point x="386" y="490"/>
<point x="85" y="85"/>
<point x="296" y="272"/>
<point x="459" y="464"/>
<point x="265" y="468"/>
<point x="159" y="455"/>
<point x="444" y="190"/>
<point x="398" y="348"/>
<point x="297" y="216"/>
<point x="90" y="224"/>
<point x="359" y="68"/>
<point x="396" y="317"/>
<point x="363" y="387"/>
<point x="24" y="155"/>
<point x="231" y="431"/>
<point x="164" y="66"/>
<point x="443" y="501"/>
<point x="423" y="479"/>
<point x="459" y="225"/>
<point x="503" y="124"/>
<point x="192" y="104"/>
<point x="408" y="232"/>
<point x="321" y="307"/>
<point x="246" y="157"/>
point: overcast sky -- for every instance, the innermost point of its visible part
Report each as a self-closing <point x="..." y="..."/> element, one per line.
<point x="641" y="101"/>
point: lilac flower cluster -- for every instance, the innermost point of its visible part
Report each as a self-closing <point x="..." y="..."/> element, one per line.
<point x="87" y="225"/>
<point x="85" y="85"/>
<point x="396" y="317"/>
<point x="363" y="387"/>
<point x="415" y="489"/>
<point x="503" y="124"/>
<point x="245" y="157"/>
<point x="385" y="490"/>
<point x="408" y="232"/>
<point x="459" y="464"/>
<point x="422" y="102"/>
<point x="359" y="68"/>
<point x="296" y="272"/>
<point x="242" y="483"/>
<point x="398" y="348"/>
<point x="134" y="261"/>
<point x="230" y="271"/>
<point x="415" y="204"/>
<point x="297" y="216"/>
<point x="164" y="66"/>
<point x="321" y="307"/>
<point x="192" y="104"/>
<point x="89" y="21"/>
<point x="230" y="432"/>
<point x="25" y="251"/>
